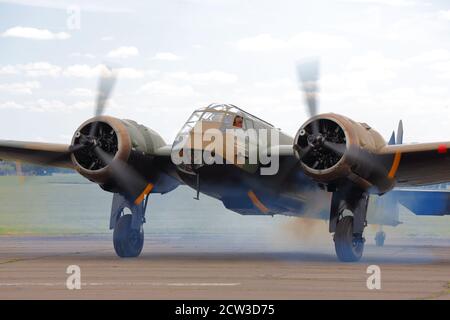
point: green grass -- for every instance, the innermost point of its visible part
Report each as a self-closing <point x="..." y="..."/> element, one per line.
<point x="51" y="205"/>
<point x="69" y="204"/>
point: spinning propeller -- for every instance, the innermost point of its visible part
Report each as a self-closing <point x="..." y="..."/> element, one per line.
<point x="98" y="146"/>
<point x="322" y="143"/>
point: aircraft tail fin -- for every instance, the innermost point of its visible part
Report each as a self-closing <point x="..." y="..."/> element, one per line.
<point x="392" y="139"/>
<point x="400" y="133"/>
<point x="399" y="139"/>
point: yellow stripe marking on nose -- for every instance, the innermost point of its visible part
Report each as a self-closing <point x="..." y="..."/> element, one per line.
<point x="146" y="191"/>
<point x="257" y="202"/>
<point x="395" y="164"/>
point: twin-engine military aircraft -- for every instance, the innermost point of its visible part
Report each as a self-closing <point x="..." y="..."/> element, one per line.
<point x="334" y="168"/>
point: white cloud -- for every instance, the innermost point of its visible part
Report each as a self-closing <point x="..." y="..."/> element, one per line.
<point x="360" y="79"/>
<point x="303" y="40"/>
<point x="315" y="40"/>
<point x="123" y="52"/>
<point x="262" y="42"/>
<point x="35" y="34"/>
<point x="394" y="3"/>
<point x="88" y="6"/>
<point x="11" y="105"/>
<point x="82" y="55"/>
<point x="81" y="92"/>
<point x="166" y="56"/>
<point x="107" y="38"/>
<point x="444" y="14"/>
<point x="375" y="61"/>
<point x="57" y="105"/>
<point x="215" y="77"/>
<point x="8" y="70"/>
<point x="20" y="87"/>
<point x="33" y="69"/>
<point x="437" y="60"/>
<point x="40" y="69"/>
<point x="442" y="69"/>
<point x="433" y="90"/>
<point x="85" y="71"/>
<point x="275" y="83"/>
<point x="44" y="105"/>
<point x="167" y="89"/>
<point x="130" y="73"/>
<point x="431" y="56"/>
<point x="46" y="69"/>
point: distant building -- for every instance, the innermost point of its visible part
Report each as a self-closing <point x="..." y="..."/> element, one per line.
<point x="9" y="168"/>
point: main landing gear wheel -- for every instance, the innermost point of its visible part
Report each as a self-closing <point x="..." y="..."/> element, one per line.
<point x="128" y="242"/>
<point x="379" y="238"/>
<point x="349" y="247"/>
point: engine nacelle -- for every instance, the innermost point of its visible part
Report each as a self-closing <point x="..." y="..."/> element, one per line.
<point x="332" y="148"/>
<point x="124" y="140"/>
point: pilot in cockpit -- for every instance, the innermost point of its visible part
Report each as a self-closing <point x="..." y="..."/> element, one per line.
<point x="238" y="121"/>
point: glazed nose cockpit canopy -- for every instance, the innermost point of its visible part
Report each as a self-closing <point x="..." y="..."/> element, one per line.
<point x="194" y="134"/>
<point x="218" y="116"/>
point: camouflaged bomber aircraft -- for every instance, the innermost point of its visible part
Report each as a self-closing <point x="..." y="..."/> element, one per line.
<point x="334" y="168"/>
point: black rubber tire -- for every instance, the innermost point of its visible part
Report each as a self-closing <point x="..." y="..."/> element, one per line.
<point x="379" y="238"/>
<point x="128" y="242"/>
<point x="347" y="249"/>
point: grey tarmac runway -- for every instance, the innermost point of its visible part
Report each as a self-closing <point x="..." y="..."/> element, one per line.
<point x="34" y="267"/>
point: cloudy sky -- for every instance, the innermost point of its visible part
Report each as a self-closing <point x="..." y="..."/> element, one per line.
<point x="381" y="60"/>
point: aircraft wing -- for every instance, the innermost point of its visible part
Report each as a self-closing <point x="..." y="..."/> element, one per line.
<point x="419" y="164"/>
<point x="410" y="164"/>
<point x="47" y="154"/>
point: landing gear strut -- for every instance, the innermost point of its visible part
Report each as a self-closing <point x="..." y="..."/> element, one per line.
<point x="380" y="236"/>
<point x="348" y="230"/>
<point x="128" y="235"/>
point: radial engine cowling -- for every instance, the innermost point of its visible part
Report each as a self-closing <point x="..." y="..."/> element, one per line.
<point x="123" y="140"/>
<point x="333" y="148"/>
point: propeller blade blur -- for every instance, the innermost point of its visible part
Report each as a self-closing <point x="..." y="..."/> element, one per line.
<point x="336" y="147"/>
<point x="126" y="177"/>
<point x="105" y="86"/>
<point x="308" y="73"/>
